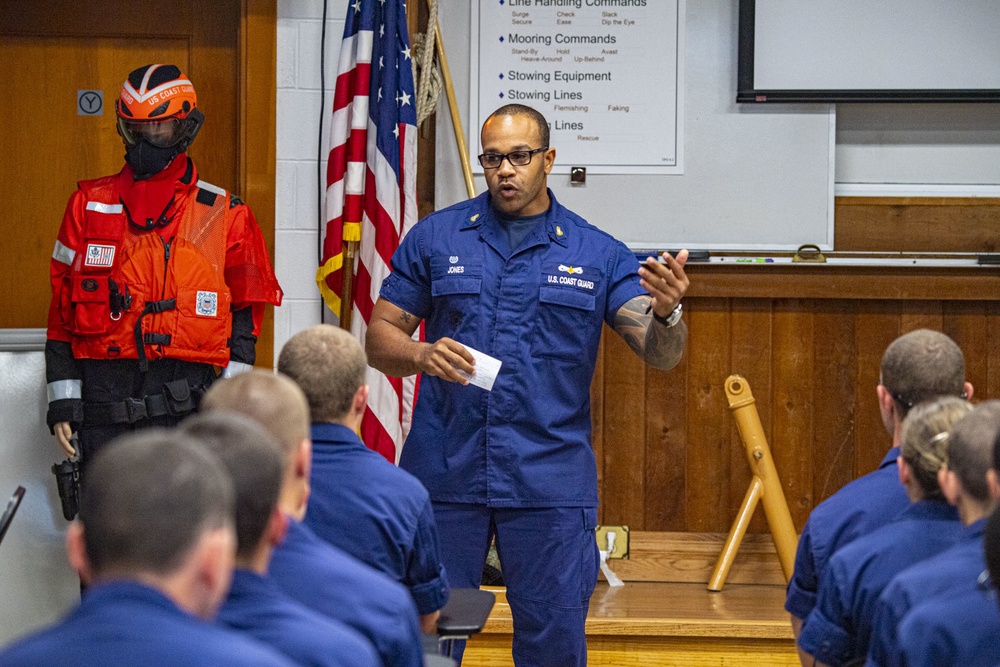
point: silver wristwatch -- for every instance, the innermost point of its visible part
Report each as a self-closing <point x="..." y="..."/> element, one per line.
<point x="670" y="320"/>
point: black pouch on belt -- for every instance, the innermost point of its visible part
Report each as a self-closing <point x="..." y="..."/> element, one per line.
<point x="178" y="396"/>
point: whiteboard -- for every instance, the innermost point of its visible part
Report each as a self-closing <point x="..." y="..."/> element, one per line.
<point x="755" y="177"/>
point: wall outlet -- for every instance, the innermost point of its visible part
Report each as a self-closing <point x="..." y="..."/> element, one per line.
<point x="619" y="541"/>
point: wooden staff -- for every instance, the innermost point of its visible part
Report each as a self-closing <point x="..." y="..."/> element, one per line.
<point x="347" y="292"/>
<point x="765" y="486"/>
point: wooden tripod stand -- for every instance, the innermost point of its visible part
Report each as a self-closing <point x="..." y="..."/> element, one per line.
<point x="765" y="486"/>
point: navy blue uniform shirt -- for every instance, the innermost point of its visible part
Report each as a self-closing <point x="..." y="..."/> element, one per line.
<point x="539" y="309"/>
<point x="127" y="623"/>
<point x="955" y="570"/>
<point x="857" y="509"/>
<point x="376" y="512"/>
<point x="328" y="580"/>
<point x="961" y="630"/>
<point x="839" y="628"/>
<point x="256" y="607"/>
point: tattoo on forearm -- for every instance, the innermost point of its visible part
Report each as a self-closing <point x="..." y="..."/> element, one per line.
<point x="630" y="323"/>
<point x="664" y="346"/>
<point x="659" y="346"/>
<point x="405" y="316"/>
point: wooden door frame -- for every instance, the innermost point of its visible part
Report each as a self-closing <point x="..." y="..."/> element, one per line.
<point x="257" y="169"/>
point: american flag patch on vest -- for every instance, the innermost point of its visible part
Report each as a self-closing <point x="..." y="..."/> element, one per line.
<point x="99" y="255"/>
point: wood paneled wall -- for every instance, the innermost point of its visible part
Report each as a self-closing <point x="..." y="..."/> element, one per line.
<point x="917" y="224"/>
<point x="809" y="340"/>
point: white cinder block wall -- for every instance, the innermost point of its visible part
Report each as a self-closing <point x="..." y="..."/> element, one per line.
<point x="296" y="217"/>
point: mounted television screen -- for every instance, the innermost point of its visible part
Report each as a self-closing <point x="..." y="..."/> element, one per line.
<point x="869" y="51"/>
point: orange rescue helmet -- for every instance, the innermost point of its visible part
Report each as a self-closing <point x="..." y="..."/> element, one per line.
<point x="156" y="92"/>
<point x="158" y="103"/>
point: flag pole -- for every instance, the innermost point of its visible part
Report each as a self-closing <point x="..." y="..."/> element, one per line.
<point x="456" y="119"/>
<point x="347" y="297"/>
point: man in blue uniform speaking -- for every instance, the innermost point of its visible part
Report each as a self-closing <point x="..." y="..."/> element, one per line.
<point x="514" y="275"/>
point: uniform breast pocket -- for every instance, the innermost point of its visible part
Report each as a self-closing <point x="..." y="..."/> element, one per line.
<point x="456" y="284"/>
<point x="567" y="323"/>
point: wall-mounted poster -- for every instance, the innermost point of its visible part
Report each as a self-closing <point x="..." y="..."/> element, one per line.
<point x="607" y="75"/>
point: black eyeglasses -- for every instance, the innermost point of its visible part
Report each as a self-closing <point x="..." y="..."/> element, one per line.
<point x="516" y="158"/>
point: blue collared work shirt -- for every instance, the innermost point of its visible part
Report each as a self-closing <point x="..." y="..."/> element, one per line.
<point x="857" y="509"/>
<point x="839" y="628"/>
<point x="328" y="580"/>
<point x="256" y="607"/>
<point x="127" y="623"/>
<point x="374" y="511"/>
<point x="958" y="630"/>
<point x="952" y="571"/>
<point x="539" y="309"/>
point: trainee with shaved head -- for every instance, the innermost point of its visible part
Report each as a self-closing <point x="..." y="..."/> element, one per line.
<point x="919" y="365"/>
<point x="155" y="542"/>
<point x="360" y="502"/>
<point x="255" y="605"/>
<point x="310" y="570"/>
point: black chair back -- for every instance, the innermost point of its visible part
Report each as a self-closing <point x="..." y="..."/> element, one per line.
<point x="8" y="514"/>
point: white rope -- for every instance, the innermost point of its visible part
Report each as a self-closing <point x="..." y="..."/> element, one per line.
<point x="427" y="71"/>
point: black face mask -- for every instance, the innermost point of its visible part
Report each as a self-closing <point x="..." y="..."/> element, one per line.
<point x="148" y="160"/>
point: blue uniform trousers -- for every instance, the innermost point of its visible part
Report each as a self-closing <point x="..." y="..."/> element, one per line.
<point x="550" y="561"/>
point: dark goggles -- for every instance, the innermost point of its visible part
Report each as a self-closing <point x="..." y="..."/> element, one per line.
<point x="160" y="133"/>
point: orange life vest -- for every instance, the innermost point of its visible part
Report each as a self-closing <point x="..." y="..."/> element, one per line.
<point x="136" y="295"/>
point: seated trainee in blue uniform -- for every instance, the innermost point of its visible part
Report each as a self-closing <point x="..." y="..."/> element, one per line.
<point x="838" y="630"/>
<point x="255" y="605"/>
<point x="918" y="366"/>
<point x="154" y="541"/>
<point x="314" y="572"/>
<point x="360" y="502"/>
<point x="964" y="483"/>
<point x="961" y="630"/>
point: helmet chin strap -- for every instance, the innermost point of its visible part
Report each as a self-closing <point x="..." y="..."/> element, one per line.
<point x="194" y="121"/>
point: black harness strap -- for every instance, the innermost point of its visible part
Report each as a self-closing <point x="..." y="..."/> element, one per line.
<point x="141" y="340"/>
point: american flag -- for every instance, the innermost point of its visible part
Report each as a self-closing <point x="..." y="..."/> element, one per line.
<point x="371" y="189"/>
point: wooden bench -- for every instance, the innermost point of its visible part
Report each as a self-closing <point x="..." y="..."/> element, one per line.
<point x="664" y="614"/>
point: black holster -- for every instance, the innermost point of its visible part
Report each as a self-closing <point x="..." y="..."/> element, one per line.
<point x="68" y="483"/>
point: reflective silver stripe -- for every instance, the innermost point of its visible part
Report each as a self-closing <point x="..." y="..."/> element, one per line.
<point x="61" y="389"/>
<point x="211" y="188"/>
<point x="63" y="254"/>
<point x="235" y="368"/>
<point x="104" y="208"/>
